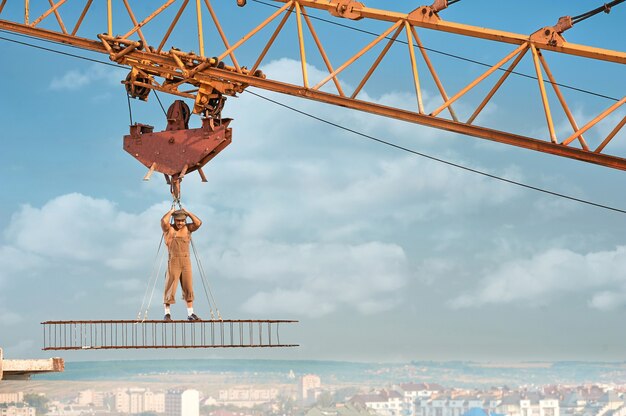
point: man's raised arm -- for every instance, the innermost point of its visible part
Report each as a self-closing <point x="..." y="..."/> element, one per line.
<point x="195" y="221"/>
<point x="165" y="221"/>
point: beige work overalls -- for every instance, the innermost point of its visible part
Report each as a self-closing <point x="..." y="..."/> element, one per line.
<point x="179" y="265"/>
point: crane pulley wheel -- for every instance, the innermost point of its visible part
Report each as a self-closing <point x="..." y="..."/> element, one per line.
<point x="134" y="90"/>
<point x="178" y="116"/>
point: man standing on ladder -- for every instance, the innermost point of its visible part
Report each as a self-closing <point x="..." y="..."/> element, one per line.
<point x="177" y="238"/>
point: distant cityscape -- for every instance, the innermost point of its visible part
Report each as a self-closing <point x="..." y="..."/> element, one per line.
<point x="308" y="395"/>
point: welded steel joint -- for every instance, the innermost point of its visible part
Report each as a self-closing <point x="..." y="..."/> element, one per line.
<point x="426" y="14"/>
<point x="551" y="35"/>
<point x="348" y="9"/>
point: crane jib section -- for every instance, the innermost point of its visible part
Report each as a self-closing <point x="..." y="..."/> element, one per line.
<point x="158" y="65"/>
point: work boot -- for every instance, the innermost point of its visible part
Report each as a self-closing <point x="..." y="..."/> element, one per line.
<point x="193" y="317"/>
<point x="167" y="317"/>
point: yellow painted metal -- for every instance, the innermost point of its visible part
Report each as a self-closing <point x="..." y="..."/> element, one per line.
<point x="561" y="98"/>
<point x="320" y="47"/>
<point x="358" y="55"/>
<point x="218" y="26"/>
<point x="270" y="42"/>
<point x="431" y="68"/>
<point x="82" y="16"/>
<point x="377" y="62"/>
<point x="200" y="30"/>
<point x="152" y="15"/>
<point x="179" y="69"/>
<point x="479" y="79"/>
<point x="473" y="31"/>
<point x="611" y="135"/>
<point x="305" y="76"/>
<point x="542" y="90"/>
<point x="48" y="12"/>
<point x="611" y="161"/>
<point x="254" y="31"/>
<point x="27" y="11"/>
<point x="134" y="20"/>
<point x="416" y="79"/>
<point x="109" y="18"/>
<point x="595" y="121"/>
<point x="172" y="25"/>
<point x="497" y="86"/>
<point x="57" y="15"/>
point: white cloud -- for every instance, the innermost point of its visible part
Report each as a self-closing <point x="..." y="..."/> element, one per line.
<point x="319" y="200"/>
<point x="76" y="227"/>
<point x="547" y="276"/>
<point x="16" y="262"/>
<point x="607" y="301"/>
<point x="317" y="279"/>
<point x="75" y="79"/>
<point x="71" y="80"/>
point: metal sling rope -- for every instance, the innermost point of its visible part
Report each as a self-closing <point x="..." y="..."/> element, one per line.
<point x="205" y="284"/>
<point x="152" y="279"/>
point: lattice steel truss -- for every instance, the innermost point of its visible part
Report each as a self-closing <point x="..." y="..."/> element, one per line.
<point x="196" y="76"/>
<point x="125" y="334"/>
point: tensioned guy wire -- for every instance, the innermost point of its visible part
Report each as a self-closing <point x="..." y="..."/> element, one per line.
<point x="606" y="8"/>
<point x="436" y="159"/>
<point x="557" y="194"/>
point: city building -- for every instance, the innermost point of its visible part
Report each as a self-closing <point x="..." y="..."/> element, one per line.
<point x="309" y="388"/>
<point x="529" y="404"/>
<point x="182" y="403"/>
<point x="455" y="404"/>
<point x="138" y="400"/>
<point x="246" y="397"/>
<point x="90" y="398"/>
<point x="421" y="390"/>
<point x="12" y="397"/>
<point x="17" y="411"/>
<point x="384" y="403"/>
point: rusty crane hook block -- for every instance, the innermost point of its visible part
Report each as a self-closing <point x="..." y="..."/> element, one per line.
<point x="178" y="150"/>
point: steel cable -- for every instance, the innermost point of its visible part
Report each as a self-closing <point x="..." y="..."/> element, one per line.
<point x="151" y="277"/>
<point x="205" y="283"/>
<point x="436" y="159"/>
<point x="606" y="8"/>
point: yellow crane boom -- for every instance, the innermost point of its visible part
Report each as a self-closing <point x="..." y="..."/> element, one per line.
<point x="206" y="79"/>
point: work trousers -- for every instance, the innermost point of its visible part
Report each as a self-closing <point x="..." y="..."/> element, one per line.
<point x="179" y="269"/>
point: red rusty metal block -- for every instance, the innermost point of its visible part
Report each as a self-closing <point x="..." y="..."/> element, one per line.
<point x="175" y="152"/>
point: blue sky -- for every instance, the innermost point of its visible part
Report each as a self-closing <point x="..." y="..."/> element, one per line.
<point x="382" y="255"/>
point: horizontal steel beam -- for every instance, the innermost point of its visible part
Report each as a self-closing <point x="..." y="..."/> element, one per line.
<point x="415" y="19"/>
<point x="153" y="334"/>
